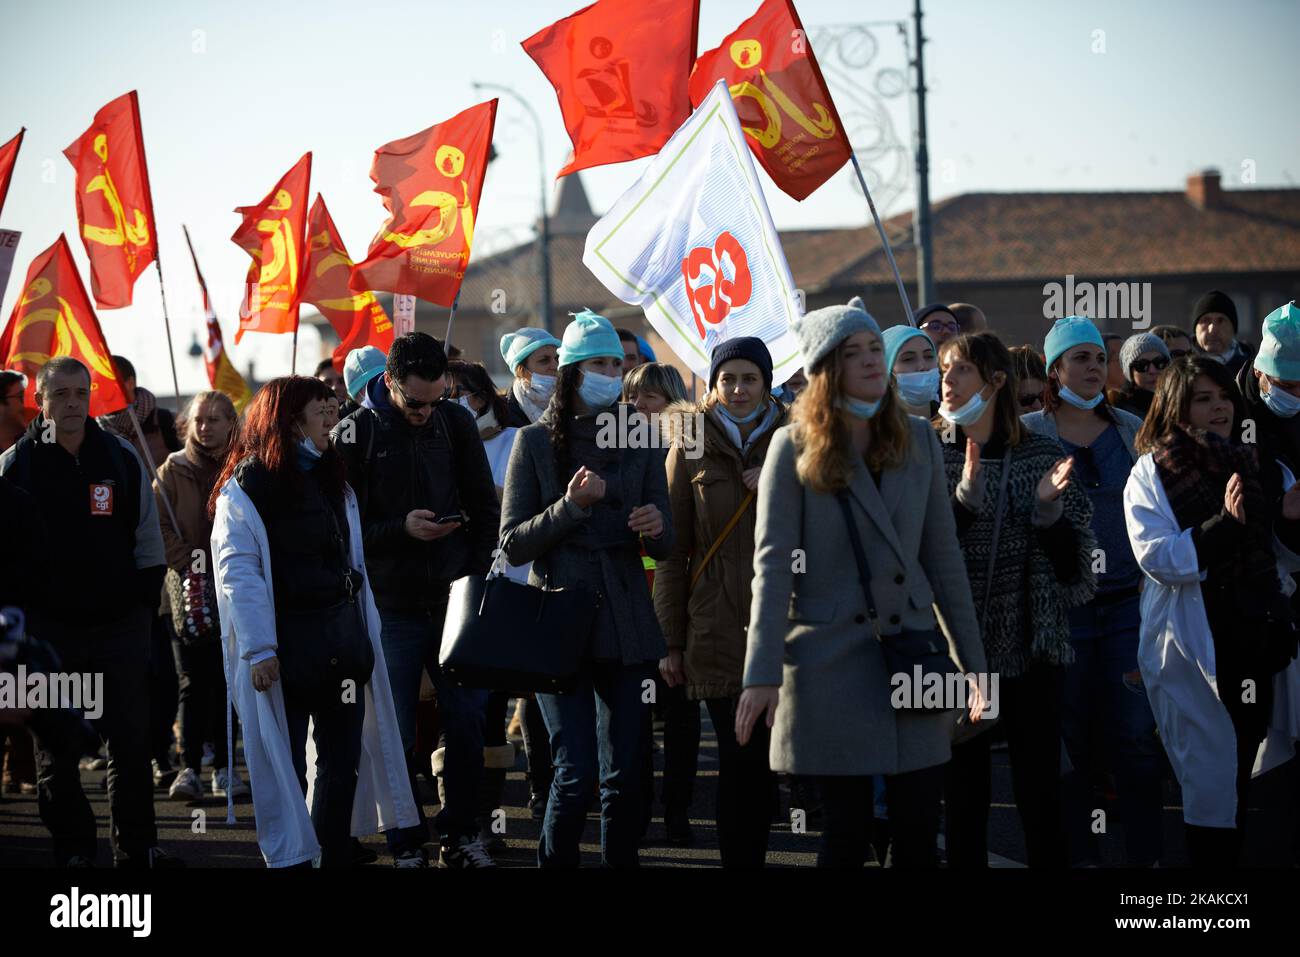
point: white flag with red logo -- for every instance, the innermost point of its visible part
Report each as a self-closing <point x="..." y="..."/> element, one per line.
<point x="692" y="243"/>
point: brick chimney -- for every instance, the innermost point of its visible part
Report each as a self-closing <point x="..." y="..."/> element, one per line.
<point x="1203" y="189"/>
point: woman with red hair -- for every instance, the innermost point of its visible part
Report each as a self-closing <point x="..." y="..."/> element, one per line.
<point x="301" y="634"/>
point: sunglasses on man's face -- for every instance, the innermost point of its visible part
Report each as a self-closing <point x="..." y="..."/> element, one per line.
<point x="415" y="405"/>
<point x="1142" y="365"/>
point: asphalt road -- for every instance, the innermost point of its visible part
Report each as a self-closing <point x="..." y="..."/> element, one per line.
<point x="25" y="843"/>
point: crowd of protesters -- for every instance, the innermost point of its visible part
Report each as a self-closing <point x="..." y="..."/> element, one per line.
<point x="1095" y="534"/>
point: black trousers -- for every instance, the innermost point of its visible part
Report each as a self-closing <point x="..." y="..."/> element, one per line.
<point x="1030" y="721"/>
<point x="747" y="788"/>
<point x="681" y="717"/>
<point x="1220" y="847"/>
<point x="202" y="703"/>
<point x="848" y="808"/>
<point x="537" y="750"/>
<point x="164" y="691"/>
<point x="120" y="651"/>
<point x="336" y="733"/>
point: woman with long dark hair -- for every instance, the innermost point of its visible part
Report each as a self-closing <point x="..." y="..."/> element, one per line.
<point x="1025" y="532"/>
<point x="816" y="668"/>
<point x="301" y="634"/>
<point x="1215" y="622"/>
<point x="578" y="507"/>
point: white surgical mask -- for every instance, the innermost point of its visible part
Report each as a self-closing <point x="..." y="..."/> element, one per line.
<point x="860" y="408"/>
<point x="1280" y="402"/>
<point x="463" y="402"/>
<point x="599" y="391"/>
<point x="970" y="411"/>
<point x="918" y="388"/>
<point x="540" y="388"/>
<point x="309" y="447"/>
<point x="1076" y="400"/>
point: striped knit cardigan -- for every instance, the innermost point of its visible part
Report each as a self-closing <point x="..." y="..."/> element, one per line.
<point x="1027" y="615"/>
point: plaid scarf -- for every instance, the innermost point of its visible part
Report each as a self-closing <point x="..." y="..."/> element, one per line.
<point x="1194" y="467"/>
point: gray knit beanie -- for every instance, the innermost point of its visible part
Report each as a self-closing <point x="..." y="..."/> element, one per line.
<point x="1134" y="346"/>
<point x="823" y="329"/>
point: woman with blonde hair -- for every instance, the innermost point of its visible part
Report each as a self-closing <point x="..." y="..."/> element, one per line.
<point x="183" y="486"/>
<point x="855" y="548"/>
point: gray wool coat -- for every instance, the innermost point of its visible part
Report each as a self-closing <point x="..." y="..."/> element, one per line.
<point x="546" y="530"/>
<point x="808" y="632"/>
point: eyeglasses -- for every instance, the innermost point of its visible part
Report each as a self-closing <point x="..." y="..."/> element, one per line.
<point x="1029" y="398"/>
<point x="1142" y="365"/>
<point x="941" y="325"/>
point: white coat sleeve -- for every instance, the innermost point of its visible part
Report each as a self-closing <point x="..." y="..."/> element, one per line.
<point x="1164" y="552"/>
<point x="247" y="592"/>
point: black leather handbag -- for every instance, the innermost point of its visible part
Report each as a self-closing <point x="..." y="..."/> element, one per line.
<point x="322" y="649"/>
<point x="500" y="634"/>
<point x="908" y="649"/>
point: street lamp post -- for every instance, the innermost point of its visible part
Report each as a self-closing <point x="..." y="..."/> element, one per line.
<point x="544" y="261"/>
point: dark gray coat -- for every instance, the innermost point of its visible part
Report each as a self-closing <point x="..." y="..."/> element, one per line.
<point x="808" y="632"/>
<point x="566" y="550"/>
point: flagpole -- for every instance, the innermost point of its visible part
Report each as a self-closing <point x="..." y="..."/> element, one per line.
<point x="153" y="468"/>
<point x="451" y="317"/>
<point x="889" y="252"/>
<point x="293" y="358"/>
<point x="167" y="324"/>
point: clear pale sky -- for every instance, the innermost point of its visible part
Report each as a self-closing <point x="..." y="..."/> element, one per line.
<point x="231" y="94"/>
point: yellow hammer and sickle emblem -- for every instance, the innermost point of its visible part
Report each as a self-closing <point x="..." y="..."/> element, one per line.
<point x="66" y="331"/>
<point x="284" y="251"/>
<point x="447" y="206"/>
<point x="822" y="127"/>
<point x="334" y="260"/>
<point x="122" y="233"/>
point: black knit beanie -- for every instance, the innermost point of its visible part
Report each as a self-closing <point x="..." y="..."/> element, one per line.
<point x="1215" y="301"/>
<point x="746" y="347"/>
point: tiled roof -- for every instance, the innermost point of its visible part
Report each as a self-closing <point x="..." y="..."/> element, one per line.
<point x="994" y="237"/>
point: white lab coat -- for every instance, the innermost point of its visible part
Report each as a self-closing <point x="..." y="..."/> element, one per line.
<point x="1176" y="658"/>
<point x="241" y="555"/>
<point x="498" y="450"/>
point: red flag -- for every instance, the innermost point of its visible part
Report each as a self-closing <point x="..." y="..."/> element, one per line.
<point x="114" y="205"/>
<point x="621" y="71"/>
<point x="54" y="318"/>
<point x="783" y="103"/>
<point x="9" y="156"/>
<point x="272" y="233"/>
<point x="431" y="182"/>
<point x="357" y="317"/>
<point x="222" y="374"/>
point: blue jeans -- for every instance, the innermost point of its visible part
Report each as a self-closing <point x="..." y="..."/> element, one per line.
<point x="1107" y="715"/>
<point x="594" y="731"/>
<point x="411" y="640"/>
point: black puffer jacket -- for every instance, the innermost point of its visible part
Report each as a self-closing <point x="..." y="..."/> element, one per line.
<point x="394" y="469"/>
<point x="1278" y="440"/>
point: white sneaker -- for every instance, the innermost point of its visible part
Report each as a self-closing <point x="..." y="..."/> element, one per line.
<point x="187" y="786"/>
<point x="238" y="788"/>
